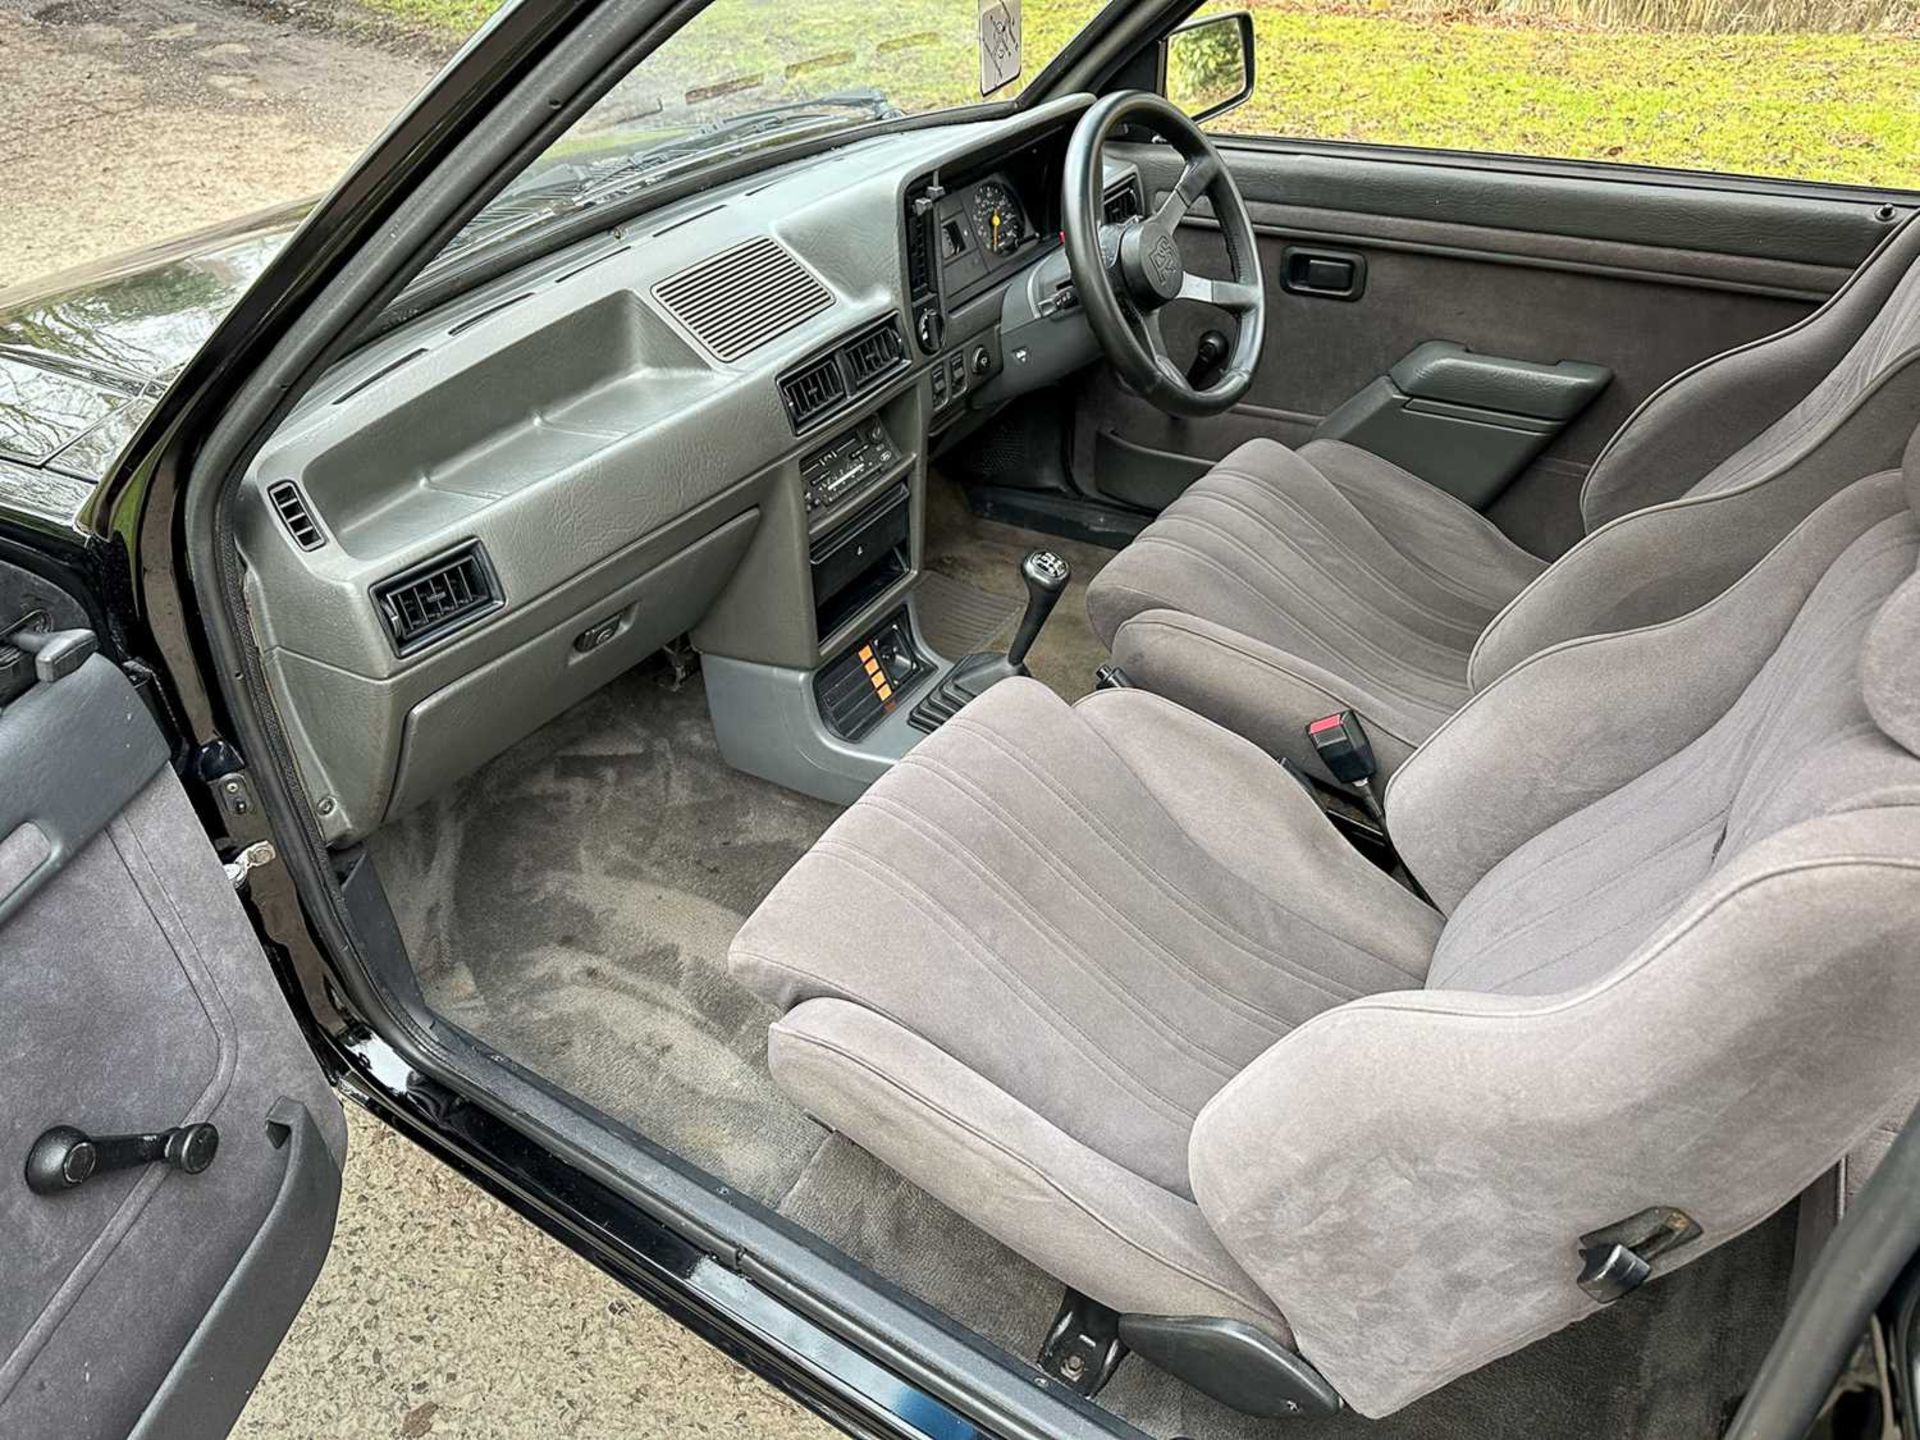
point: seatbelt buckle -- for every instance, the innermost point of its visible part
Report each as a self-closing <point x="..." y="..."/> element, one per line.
<point x="1342" y="745"/>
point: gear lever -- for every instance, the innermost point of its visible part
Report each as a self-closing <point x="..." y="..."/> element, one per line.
<point x="1046" y="575"/>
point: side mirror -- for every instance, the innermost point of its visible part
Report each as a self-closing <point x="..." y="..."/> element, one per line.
<point x="1206" y="65"/>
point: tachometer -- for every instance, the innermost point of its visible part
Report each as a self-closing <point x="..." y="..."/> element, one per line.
<point x="997" y="220"/>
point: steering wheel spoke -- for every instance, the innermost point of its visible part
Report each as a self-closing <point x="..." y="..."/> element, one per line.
<point x="1189" y="190"/>
<point x="1226" y="294"/>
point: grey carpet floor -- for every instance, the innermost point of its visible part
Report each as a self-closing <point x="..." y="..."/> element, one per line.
<point x="957" y="618"/>
<point x="571" y="904"/>
<point x="985" y="556"/>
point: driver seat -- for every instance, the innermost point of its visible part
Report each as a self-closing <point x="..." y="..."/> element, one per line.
<point x="1284" y="585"/>
<point x="1104" y="979"/>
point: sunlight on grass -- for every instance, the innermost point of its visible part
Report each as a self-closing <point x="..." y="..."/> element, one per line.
<point x="1574" y="79"/>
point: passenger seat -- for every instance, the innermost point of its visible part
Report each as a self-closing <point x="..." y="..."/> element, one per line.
<point x="1285" y="585"/>
<point x="1141" y="1014"/>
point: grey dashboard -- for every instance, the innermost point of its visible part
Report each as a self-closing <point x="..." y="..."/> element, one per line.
<point x="478" y="519"/>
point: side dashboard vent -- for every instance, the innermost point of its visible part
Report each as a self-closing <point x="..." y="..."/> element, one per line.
<point x="434" y="599"/>
<point x="291" y="506"/>
<point x="812" y="390"/>
<point x="739" y="300"/>
<point x="919" y="227"/>
<point x="872" y="353"/>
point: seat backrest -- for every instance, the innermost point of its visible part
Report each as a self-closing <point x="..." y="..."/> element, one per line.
<point x="1712" y="472"/>
<point x="1681" y="967"/>
<point x="1770" y="404"/>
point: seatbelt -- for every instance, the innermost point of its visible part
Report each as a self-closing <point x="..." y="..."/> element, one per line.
<point x="1342" y="745"/>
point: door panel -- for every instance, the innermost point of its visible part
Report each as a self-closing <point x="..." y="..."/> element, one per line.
<point x="1640" y="277"/>
<point x="134" y="997"/>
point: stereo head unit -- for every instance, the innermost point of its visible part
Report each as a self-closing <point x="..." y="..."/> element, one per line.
<point x="837" y="469"/>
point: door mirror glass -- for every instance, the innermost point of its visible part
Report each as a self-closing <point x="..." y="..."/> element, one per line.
<point x="1208" y="64"/>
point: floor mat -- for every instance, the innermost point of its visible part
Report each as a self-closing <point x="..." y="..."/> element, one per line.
<point x="958" y="619"/>
<point x="985" y="556"/>
<point x="572" y="903"/>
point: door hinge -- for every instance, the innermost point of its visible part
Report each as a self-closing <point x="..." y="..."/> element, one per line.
<point x="261" y="852"/>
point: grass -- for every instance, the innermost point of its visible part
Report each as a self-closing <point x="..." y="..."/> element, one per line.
<point x="1696" y="84"/>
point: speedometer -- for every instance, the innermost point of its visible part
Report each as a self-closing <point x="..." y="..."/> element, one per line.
<point x="997" y="220"/>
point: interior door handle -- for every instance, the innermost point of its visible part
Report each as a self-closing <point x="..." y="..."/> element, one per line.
<point x="1326" y="274"/>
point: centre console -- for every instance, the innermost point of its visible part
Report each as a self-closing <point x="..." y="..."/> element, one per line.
<point x="859" y="505"/>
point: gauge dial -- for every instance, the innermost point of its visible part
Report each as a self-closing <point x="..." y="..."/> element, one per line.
<point x="997" y="220"/>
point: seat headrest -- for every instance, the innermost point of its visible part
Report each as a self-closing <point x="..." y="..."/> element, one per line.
<point x="1890" y="659"/>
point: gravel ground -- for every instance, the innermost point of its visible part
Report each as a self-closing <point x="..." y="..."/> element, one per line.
<point x="443" y="1313"/>
<point x="123" y="122"/>
<point x="440" y="1312"/>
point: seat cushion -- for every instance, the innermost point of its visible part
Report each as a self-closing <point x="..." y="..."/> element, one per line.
<point x="1086" y="1221"/>
<point x="1097" y="914"/>
<point x="1321" y="579"/>
<point x="1106" y="909"/>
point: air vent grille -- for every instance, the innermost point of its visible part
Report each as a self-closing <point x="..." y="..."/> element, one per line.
<point x="432" y="600"/>
<point x="851" y="368"/>
<point x="738" y="301"/>
<point x="291" y="506"/>
<point x="1122" y="203"/>
<point x="919" y="247"/>
<point x="873" y="353"/>
<point x="813" y="390"/>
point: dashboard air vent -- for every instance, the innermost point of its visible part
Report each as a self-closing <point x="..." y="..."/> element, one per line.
<point x="872" y="353"/>
<point x="813" y="390"/>
<point x="291" y="506"/>
<point x="739" y="300"/>
<point x="436" y="598"/>
<point x="851" y="368"/>
<point x="1121" y="204"/>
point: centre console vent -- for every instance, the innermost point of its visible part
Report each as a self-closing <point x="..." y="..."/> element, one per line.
<point x="740" y="299"/>
<point x="1122" y="203"/>
<point x="291" y="506"/>
<point x="872" y="353"/>
<point x="812" y="391"/>
<point x="851" y="368"/>
<point x="434" y="599"/>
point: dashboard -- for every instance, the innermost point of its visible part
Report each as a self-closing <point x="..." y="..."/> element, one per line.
<point x="712" y="420"/>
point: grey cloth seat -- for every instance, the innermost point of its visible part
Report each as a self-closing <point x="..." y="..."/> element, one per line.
<point x="1104" y="980"/>
<point x="1285" y="585"/>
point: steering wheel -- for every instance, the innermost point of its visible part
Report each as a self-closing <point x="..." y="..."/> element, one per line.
<point x="1126" y="273"/>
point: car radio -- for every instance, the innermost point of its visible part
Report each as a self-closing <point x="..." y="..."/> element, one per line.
<point x="842" y="466"/>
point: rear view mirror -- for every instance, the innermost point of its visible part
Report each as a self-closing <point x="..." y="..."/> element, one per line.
<point x="1206" y="66"/>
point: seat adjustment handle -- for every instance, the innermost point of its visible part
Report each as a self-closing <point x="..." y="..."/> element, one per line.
<point x="1620" y="1257"/>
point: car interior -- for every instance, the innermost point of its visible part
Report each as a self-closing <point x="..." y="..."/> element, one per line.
<point x="1263" y="777"/>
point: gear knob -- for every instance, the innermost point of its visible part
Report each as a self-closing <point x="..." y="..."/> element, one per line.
<point x="1046" y="575"/>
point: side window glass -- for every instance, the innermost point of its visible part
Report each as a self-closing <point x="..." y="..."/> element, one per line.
<point x="1809" y="90"/>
